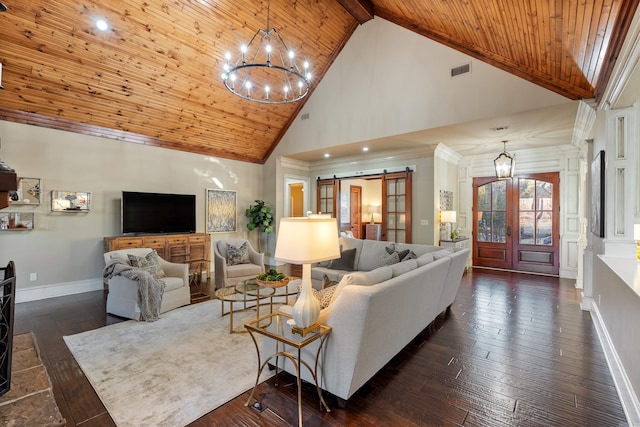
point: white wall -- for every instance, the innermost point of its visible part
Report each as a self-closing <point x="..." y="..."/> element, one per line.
<point x="65" y="250"/>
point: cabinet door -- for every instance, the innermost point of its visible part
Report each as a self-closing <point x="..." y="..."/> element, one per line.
<point x="157" y="243"/>
<point x="178" y="249"/>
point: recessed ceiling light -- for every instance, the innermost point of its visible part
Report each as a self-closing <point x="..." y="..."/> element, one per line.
<point x="327" y="155"/>
<point x="101" y="24"/>
<point x="365" y="148"/>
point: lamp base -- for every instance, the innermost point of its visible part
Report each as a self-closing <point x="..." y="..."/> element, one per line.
<point x="305" y="331"/>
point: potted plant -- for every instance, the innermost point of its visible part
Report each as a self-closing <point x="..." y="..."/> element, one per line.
<point x="260" y="217"/>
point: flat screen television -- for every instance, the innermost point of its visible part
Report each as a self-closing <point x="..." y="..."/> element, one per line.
<point x="153" y="213"/>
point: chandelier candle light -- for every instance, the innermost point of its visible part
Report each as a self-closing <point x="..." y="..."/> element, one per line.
<point x="266" y="70"/>
<point x="305" y="240"/>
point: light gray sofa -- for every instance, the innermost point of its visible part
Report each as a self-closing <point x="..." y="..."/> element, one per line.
<point x="377" y="311"/>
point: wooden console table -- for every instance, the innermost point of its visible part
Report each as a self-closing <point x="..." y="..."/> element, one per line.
<point x="193" y="249"/>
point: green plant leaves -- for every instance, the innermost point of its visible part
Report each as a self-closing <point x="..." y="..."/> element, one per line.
<point x="260" y="217"/>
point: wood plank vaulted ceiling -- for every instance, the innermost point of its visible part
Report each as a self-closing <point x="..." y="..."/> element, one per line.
<point x="154" y="77"/>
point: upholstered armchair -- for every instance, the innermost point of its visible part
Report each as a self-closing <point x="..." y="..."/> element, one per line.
<point x="243" y="263"/>
<point x="122" y="299"/>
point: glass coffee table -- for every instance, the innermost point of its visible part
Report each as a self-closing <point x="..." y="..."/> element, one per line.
<point x="249" y="293"/>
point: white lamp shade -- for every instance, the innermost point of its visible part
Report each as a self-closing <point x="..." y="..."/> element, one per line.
<point x="307" y="240"/>
<point x="636" y="231"/>
<point x="448" y="216"/>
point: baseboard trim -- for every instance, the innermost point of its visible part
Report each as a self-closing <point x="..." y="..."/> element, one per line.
<point x="58" y="290"/>
<point x="627" y="395"/>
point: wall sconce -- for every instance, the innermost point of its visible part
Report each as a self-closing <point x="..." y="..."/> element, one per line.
<point x="505" y="164"/>
<point x="447" y="218"/>
<point x="373" y="209"/>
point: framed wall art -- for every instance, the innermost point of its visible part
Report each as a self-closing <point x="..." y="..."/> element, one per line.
<point x="597" y="194"/>
<point x="29" y="192"/>
<point x="70" y="201"/>
<point x="221" y="211"/>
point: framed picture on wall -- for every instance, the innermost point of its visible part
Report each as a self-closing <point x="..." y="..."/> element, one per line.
<point x="221" y="211"/>
<point x="597" y="194"/>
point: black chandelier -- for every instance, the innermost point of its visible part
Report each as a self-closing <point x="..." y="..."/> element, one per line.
<point x="505" y="163"/>
<point x="266" y="70"/>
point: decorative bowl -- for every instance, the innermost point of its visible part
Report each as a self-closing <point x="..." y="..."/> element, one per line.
<point x="275" y="284"/>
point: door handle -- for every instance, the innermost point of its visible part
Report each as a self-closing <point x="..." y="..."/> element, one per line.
<point x="508" y="230"/>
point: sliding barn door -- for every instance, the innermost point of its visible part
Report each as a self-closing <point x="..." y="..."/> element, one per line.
<point x="396" y="207"/>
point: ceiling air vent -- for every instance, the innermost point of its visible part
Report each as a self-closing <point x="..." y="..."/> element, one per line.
<point x="463" y="69"/>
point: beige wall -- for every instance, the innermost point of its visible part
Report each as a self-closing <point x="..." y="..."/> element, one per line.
<point x="65" y="249"/>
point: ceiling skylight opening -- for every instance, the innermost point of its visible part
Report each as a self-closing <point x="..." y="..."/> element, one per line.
<point x="101" y="24"/>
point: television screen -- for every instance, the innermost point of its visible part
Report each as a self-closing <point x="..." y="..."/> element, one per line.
<point x="147" y="213"/>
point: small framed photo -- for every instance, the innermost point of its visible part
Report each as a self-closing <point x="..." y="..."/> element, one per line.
<point x="221" y="211"/>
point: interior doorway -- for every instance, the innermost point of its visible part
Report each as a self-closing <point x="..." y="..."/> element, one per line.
<point x="516" y="224"/>
<point x="296" y="195"/>
<point x="355" y="221"/>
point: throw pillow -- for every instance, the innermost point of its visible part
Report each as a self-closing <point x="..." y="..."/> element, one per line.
<point x="404" y="267"/>
<point x="390" y="258"/>
<point x="409" y="255"/>
<point x="149" y="263"/>
<point x="323" y="296"/>
<point x="326" y="282"/>
<point x="238" y="255"/>
<point x="425" y="259"/>
<point x="345" y="262"/>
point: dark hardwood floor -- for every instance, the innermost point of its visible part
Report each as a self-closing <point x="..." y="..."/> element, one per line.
<point x="515" y="350"/>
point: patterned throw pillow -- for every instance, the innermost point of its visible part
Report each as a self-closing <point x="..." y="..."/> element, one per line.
<point x="324" y="296"/>
<point x="390" y="256"/>
<point x="148" y="263"/>
<point x="238" y="255"/>
<point x="326" y="282"/>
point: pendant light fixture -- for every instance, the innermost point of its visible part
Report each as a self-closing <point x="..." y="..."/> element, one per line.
<point x="266" y="70"/>
<point x="505" y="163"/>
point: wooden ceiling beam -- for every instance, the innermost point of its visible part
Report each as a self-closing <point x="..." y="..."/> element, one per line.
<point x="361" y="10"/>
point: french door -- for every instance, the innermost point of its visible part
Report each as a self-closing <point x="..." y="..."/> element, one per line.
<point x="516" y="224"/>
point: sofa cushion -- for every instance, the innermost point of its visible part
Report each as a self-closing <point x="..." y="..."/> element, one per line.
<point x="241" y="270"/>
<point x="363" y="278"/>
<point x="237" y="254"/>
<point x="442" y="253"/>
<point x="345" y="262"/>
<point x="424" y="259"/>
<point x="404" y="267"/>
<point x="171" y="283"/>
<point x="149" y="263"/>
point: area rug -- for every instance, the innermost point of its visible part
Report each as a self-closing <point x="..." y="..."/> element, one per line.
<point x="169" y="372"/>
<point x="30" y="400"/>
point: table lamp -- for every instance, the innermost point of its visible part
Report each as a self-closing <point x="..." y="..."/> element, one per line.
<point x="305" y="240"/>
<point x="373" y="209"/>
<point x="448" y="217"/>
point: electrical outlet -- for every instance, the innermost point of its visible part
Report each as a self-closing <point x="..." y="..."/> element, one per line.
<point x="33" y="276"/>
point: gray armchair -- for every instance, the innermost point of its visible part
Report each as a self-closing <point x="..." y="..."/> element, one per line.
<point x="229" y="273"/>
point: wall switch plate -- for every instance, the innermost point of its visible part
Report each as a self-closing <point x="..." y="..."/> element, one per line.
<point x="33" y="276"/>
<point x="424" y="222"/>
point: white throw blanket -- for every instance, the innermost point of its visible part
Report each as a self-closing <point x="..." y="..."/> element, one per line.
<point x="150" y="289"/>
